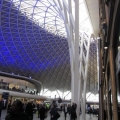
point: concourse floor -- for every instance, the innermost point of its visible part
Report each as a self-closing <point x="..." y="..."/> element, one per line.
<point x="88" y="117"/>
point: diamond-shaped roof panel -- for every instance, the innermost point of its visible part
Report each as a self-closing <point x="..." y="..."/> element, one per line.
<point x="33" y="43"/>
<point x="29" y="48"/>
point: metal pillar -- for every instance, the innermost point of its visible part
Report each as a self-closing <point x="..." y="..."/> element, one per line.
<point x="80" y="73"/>
<point x="84" y="60"/>
<point x="76" y="59"/>
<point x="85" y="81"/>
<point x="113" y="85"/>
<point x="100" y="88"/>
<point x="108" y="113"/>
<point x="78" y="62"/>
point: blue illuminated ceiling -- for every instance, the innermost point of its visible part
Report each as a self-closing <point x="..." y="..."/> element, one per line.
<point x="32" y="49"/>
<point x="33" y="43"/>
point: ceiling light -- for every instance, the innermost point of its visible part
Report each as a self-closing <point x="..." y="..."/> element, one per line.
<point x="98" y="38"/>
<point x="106" y="45"/>
<point x="103" y="70"/>
<point x="119" y="45"/>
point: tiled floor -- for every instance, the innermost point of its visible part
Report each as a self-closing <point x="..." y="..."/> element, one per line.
<point x="88" y="117"/>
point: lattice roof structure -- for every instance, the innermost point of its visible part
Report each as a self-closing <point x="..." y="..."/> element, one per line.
<point x="33" y="43"/>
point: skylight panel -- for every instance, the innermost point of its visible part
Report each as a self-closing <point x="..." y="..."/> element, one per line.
<point x="48" y="12"/>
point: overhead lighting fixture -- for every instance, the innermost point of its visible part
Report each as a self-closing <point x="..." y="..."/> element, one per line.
<point x="106" y="45"/>
<point x="98" y="38"/>
<point x="103" y="70"/>
<point x="119" y="47"/>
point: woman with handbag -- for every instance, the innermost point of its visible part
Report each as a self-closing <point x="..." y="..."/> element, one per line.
<point x="54" y="114"/>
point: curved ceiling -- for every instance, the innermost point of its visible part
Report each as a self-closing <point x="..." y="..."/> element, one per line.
<point x="33" y="43"/>
<point x="27" y="49"/>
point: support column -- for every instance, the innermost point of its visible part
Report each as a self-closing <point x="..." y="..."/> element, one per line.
<point x="100" y="88"/>
<point x="108" y="113"/>
<point x="113" y="85"/>
<point x="80" y="73"/>
<point x="101" y="110"/>
<point x="85" y="80"/>
<point x="76" y="59"/>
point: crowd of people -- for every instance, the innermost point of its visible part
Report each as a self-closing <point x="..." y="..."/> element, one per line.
<point x="20" y="111"/>
<point x="91" y="110"/>
<point x="5" y="86"/>
<point x="67" y="109"/>
<point x="71" y="110"/>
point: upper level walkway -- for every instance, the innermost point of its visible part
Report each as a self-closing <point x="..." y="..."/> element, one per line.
<point x="19" y="94"/>
<point x="88" y="117"/>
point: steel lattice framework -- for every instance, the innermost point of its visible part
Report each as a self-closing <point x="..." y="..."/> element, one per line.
<point x="28" y="49"/>
<point x="37" y="40"/>
<point x="40" y="39"/>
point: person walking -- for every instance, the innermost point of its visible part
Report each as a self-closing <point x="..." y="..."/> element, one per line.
<point x="1" y="106"/>
<point x="9" y="106"/>
<point x="29" y="110"/>
<point x="73" y="112"/>
<point x="16" y="112"/>
<point x="54" y="114"/>
<point x="65" y="110"/>
<point x="42" y="112"/>
<point x="38" y="108"/>
<point x="69" y="109"/>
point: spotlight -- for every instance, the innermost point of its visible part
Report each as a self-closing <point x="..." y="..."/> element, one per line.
<point x="106" y="45"/>
<point x="103" y="70"/>
<point x="119" y="45"/>
<point x="98" y="38"/>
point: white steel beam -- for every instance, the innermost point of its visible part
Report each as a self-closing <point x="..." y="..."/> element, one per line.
<point x="80" y="75"/>
<point x="85" y="80"/>
<point x="78" y="61"/>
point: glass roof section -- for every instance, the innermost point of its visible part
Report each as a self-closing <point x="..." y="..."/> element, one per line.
<point x="46" y="13"/>
<point x="33" y="42"/>
<point x="29" y="50"/>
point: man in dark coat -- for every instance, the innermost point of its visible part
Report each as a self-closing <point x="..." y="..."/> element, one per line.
<point x="73" y="112"/>
<point x="1" y="106"/>
<point x="65" y="110"/>
<point x="69" y="109"/>
<point x="16" y="112"/>
<point x="53" y="113"/>
<point x="29" y="110"/>
<point x="42" y="112"/>
<point x="9" y="106"/>
<point x="38" y="108"/>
